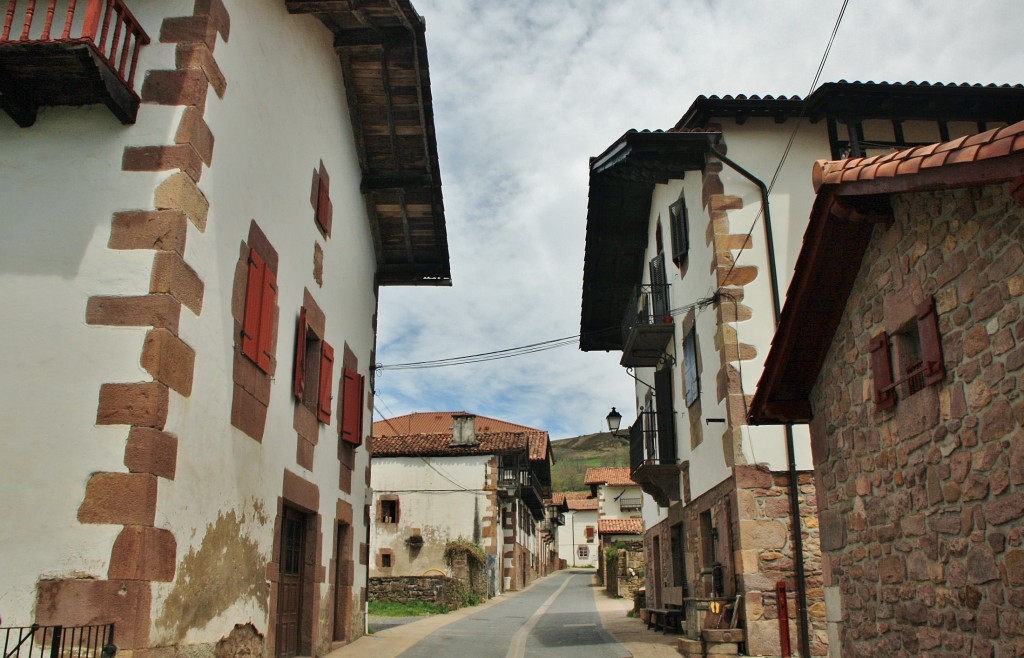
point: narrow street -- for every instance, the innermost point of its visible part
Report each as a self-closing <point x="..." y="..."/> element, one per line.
<point x="558" y="616"/>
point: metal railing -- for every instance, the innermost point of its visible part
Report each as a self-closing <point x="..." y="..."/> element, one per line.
<point x="648" y="306"/>
<point x="37" y="641"/>
<point x="100" y="18"/>
<point x="630" y="503"/>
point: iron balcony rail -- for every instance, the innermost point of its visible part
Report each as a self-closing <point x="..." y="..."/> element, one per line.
<point x="37" y="641"/>
<point x="100" y="20"/>
<point x="648" y="306"/>
<point x="644" y="443"/>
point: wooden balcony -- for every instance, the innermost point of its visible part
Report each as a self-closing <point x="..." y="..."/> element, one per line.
<point x="647" y="327"/>
<point x="69" y="52"/>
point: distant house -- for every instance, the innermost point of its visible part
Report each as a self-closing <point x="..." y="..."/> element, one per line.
<point x="902" y="344"/>
<point x="443" y="476"/>
<point x="201" y="202"/>
<point x="619" y="505"/>
<point x="685" y="252"/>
<point x="577" y="541"/>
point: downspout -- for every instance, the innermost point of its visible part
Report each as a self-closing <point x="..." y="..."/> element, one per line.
<point x="794" y="498"/>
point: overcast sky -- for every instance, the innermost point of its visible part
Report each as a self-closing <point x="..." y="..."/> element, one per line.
<point x="526" y="91"/>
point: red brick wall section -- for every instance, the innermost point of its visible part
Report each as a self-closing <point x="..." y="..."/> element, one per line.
<point x="923" y="504"/>
<point x="143" y="554"/>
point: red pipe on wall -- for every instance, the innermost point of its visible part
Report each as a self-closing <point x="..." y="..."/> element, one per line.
<point x="780" y="602"/>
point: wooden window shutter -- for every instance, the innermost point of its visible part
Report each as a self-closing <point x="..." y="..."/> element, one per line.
<point x="931" y="342"/>
<point x="299" y="383"/>
<point x="680" y="231"/>
<point x="265" y="348"/>
<point x="324" y="216"/>
<point x="352" y="407"/>
<point x="590" y="532"/>
<point x="326" y="392"/>
<point x="253" y="303"/>
<point x="881" y="371"/>
<point x="398" y="509"/>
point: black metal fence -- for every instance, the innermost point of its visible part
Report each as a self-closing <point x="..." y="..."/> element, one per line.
<point x="37" y="641"/>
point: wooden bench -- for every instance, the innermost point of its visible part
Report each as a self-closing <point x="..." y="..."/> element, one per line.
<point x="665" y="619"/>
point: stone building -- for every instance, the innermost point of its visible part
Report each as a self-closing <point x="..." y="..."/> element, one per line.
<point x="686" y="255"/>
<point x="201" y="200"/>
<point x="902" y="344"/>
<point x="444" y="476"/>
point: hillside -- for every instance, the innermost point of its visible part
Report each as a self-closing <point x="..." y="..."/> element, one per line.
<point x="573" y="456"/>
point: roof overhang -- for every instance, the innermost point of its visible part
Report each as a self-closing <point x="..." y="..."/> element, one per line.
<point x="383" y="52"/>
<point x="622" y="180"/>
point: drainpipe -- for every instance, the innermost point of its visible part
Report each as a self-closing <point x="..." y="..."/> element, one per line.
<point x="794" y="499"/>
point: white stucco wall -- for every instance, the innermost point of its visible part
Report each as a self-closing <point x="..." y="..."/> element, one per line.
<point x="283" y="112"/>
<point x="573" y="534"/>
<point x="610" y="496"/>
<point x="440" y="498"/>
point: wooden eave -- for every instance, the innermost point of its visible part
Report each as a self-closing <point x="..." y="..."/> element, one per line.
<point x="381" y="45"/>
<point x="622" y="180"/>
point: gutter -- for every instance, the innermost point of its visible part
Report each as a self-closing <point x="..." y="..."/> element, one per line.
<point x="794" y="498"/>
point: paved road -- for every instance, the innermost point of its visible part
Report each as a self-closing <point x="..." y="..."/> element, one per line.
<point x="555" y="618"/>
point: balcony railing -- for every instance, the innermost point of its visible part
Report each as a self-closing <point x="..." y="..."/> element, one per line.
<point x="653" y="461"/>
<point x="647" y="326"/>
<point x="631" y="503"/>
<point x="69" y="52"/>
<point x="37" y="641"/>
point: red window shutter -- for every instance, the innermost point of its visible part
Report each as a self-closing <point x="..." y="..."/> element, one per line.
<point x="253" y="304"/>
<point x="352" y="408"/>
<point x="326" y="393"/>
<point x="299" y="383"/>
<point x="324" y="216"/>
<point x="590" y="532"/>
<point x="931" y="342"/>
<point x="265" y="349"/>
<point x="881" y="371"/>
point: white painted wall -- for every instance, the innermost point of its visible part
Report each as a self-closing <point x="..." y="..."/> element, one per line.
<point x="609" y="497"/>
<point x="573" y="534"/>
<point x="284" y="111"/>
<point x="441" y="498"/>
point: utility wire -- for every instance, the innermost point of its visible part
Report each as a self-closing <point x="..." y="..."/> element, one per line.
<point x="792" y="135"/>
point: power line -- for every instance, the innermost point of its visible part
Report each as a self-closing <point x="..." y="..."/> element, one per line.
<point x="792" y="135"/>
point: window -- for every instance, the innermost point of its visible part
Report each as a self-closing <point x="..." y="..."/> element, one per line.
<point x="590" y="532"/>
<point x="387" y="510"/>
<point x="583" y="552"/>
<point x="352" y="407"/>
<point x="323" y="210"/>
<point x="679" y="225"/>
<point x="918" y="355"/>
<point x="690" y="373"/>
<point x="314" y="366"/>
<point x="258" y="318"/>
<point x="385" y="560"/>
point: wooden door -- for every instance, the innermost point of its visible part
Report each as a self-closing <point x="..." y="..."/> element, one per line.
<point x="342" y="581"/>
<point x="289" y="591"/>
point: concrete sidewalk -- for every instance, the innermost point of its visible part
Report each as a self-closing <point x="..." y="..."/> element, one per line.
<point x="629" y="632"/>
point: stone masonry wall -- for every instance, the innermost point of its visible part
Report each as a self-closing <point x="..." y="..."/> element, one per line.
<point x="404" y="589"/>
<point x="921" y="505"/>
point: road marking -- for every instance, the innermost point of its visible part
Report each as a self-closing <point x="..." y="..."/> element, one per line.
<point x="579" y="625"/>
<point x="517" y="649"/>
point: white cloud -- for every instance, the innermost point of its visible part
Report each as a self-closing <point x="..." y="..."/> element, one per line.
<point x="526" y="91"/>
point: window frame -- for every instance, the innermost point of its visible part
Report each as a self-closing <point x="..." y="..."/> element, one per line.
<point x="312" y="351"/>
<point x="679" y="226"/>
<point x="258" y="312"/>
<point x="928" y="368"/>
<point x="691" y="371"/>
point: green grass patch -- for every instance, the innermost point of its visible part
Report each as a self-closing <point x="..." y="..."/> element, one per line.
<point x="411" y="609"/>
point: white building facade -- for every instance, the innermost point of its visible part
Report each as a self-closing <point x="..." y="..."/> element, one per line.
<point x="199" y="238"/>
<point x="686" y="252"/>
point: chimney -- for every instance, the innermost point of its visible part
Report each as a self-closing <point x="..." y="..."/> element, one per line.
<point x="463" y="431"/>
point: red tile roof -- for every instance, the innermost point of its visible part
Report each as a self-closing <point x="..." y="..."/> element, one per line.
<point x="620" y="526"/>
<point x="560" y="497"/>
<point x="962" y="161"/>
<point x="426" y="445"/>
<point x="617" y="477"/>
<point x="439" y="423"/>
<point x="582" y="504"/>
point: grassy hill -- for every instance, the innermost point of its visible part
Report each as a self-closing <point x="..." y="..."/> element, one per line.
<point x="575" y="455"/>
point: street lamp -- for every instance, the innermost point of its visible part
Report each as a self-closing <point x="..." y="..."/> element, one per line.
<point x="614" y="419"/>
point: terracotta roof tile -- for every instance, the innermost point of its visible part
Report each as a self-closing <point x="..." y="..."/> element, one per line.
<point x="439" y="422"/>
<point x="996" y="143"/>
<point x="620" y="526"/>
<point x="426" y="445"/>
<point x="582" y="504"/>
<point x="615" y="476"/>
<point x="562" y="496"/>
